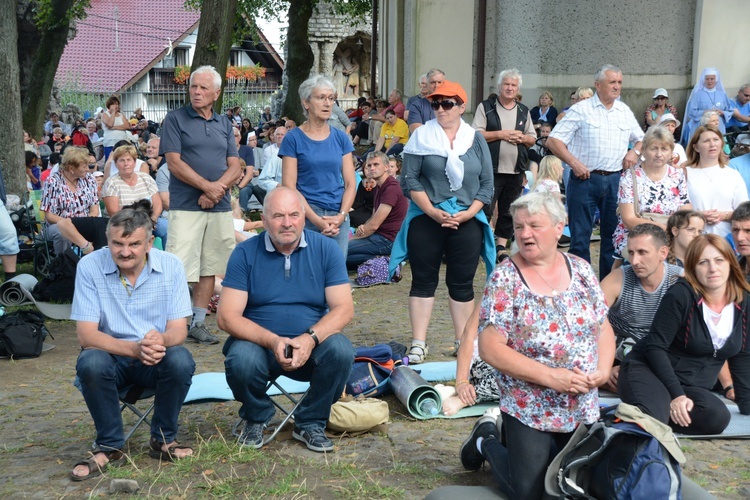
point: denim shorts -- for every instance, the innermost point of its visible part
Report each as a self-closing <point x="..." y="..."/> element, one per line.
<point x="8" y="234"/>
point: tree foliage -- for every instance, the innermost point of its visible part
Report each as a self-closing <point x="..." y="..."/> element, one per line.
<point x="299" y="54"/>
<point x="36" y="43"/>
<point x="42" y="52"/>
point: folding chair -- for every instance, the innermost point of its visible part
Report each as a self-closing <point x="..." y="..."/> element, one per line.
<point x="128" y="399"/>
<point x="289" y="414"/>
<point x="212" y="387"/>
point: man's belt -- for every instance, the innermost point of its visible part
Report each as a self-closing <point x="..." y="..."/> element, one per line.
<point x="606" y="172"/>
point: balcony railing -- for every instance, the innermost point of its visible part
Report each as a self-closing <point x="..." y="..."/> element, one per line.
<point x="162" y="80"/>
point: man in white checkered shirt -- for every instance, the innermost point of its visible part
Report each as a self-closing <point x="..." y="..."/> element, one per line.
<point x="593" y="140"/>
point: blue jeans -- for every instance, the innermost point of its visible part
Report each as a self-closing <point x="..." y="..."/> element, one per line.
<point x="364" y="249"/>
<point x="161" y="230"/>
<point x="249" y="368"/>
<point x="519" y="466"/>
<point x="102" y="376"/>
<point x="584" y="197"/>
<point x="342" y="239"/>
<point x="245" y="194"/>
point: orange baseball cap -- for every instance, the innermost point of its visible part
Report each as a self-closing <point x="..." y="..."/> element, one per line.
<point x="450" y="89"/>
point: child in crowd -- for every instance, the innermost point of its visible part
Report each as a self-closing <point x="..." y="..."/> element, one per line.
<point x="549" y="176"/>
<point x="682" y="228"/>
<point x="243" y="229"/>
<point x="33" y="172"/>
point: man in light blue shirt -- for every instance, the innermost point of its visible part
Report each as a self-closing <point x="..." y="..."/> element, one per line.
<point x="741" y="113"/>
<point x="742" y="163"/>
<point x="131" y="302"/>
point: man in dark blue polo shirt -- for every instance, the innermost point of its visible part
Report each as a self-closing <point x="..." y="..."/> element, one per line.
<point x="285" y="300"/>
<point x="202" y="158"/>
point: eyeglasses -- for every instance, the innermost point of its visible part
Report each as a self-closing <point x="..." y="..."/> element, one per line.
<point x="660" y="98"/>
<point x="446" y="105"/>
<point x="92" y="166"/>
<point x="323" y="98"/>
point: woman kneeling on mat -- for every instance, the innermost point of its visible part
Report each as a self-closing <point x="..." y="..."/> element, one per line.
<point x="543" y="326"/>
<point x="702" y="322"/>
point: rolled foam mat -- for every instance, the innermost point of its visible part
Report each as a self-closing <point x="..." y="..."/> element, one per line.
<point x="411" y="389"/>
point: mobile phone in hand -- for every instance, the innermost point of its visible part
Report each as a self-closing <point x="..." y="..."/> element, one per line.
<point x="288" y="351"/>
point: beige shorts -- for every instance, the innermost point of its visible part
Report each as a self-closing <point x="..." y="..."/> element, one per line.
<point x="202" y="240"/>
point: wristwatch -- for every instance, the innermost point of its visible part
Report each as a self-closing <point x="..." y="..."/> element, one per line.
<point x="311" y="332"/>
<point x="636" y="152"/>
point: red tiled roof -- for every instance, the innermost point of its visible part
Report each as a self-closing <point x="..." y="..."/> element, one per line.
<point x="92" y="61"/>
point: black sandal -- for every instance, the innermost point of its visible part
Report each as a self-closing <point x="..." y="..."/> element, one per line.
<point x="94" y="468"/>
<point x="157" y="452"/>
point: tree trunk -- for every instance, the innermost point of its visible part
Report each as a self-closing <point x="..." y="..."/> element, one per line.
<point x="11" y="133"/>
<point x="300" y="55"/>
<point x="215" y="38"/>
<point x="46" y="58"/>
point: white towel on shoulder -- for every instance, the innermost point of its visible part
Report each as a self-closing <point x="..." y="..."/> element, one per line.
<point x="431" y="139"/>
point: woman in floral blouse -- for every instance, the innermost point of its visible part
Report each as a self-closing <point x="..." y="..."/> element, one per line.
<point x="662" y="189"/>
<point x="543" y="327"/>
<point x="71" y="205"/>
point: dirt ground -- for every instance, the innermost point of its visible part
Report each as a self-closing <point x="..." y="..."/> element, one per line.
<point x="45" y="428"/>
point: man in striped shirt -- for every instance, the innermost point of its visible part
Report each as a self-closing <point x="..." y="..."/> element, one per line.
<point x="633" y="293"/>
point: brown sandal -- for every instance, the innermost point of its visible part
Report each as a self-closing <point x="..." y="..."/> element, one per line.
<point x="94" y="468"/>
<point x="157" y="452"/>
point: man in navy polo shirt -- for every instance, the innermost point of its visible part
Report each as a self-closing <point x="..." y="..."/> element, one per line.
<point x="286" y="290"/>
<point x="203" y="163"/>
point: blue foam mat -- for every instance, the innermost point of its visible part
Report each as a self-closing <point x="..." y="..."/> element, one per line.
<point x="213" y="387"/>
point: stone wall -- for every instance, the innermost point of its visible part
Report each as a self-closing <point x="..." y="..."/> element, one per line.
<point x="331" y="36"/>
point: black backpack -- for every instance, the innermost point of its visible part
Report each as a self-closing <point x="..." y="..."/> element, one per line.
<point x="22" y="334"/>
<point x="60" y="281"/>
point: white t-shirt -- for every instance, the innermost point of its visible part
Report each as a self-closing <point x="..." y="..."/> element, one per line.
<point x="111" y="136"/>
<point x="720" y="188"/>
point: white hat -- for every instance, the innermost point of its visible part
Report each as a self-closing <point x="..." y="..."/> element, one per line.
<point x="251" y="134"/>
<point x="660" y="92"/>
<point x="669" y="117"/>
<point x="743" y="139"/>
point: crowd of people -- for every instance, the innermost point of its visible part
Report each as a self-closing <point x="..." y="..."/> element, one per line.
<point x="662" y="322"/>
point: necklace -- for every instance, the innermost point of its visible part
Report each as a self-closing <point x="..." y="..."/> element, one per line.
<point x="559" y="277"/>
<point x="73" y="183"/>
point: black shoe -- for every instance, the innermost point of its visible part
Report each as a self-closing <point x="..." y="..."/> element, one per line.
<point x="252" y="435"/>
<point x="314" y="438"/>
<point x="471" y="457"/>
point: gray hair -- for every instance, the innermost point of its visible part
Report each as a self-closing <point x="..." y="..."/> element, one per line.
<point x="745" y="86"/>
<point x="512" y="74"/>
<point x="707" y="115"/>
<point x="602" y="73"/>
<point x="377" y="154"/>
<point x="422" y="77"/>
<point x="658" y="134"/>
<point x="434" y="71"/>
<point x="132" y="217"/>
<point x="314" y="82"/>
<point x="540" y="203"/>
<point x="210" y="70"/>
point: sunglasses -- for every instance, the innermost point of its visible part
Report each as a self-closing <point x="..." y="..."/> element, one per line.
<point x="92" y="166"/>
<point x="446" y="105"/>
